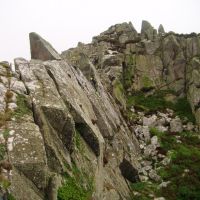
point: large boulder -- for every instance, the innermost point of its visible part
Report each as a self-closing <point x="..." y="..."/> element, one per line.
<point x="41" y="49"/>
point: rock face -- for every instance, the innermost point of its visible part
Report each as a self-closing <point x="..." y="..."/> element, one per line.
<point x="41" y="49"/>
<point x="63" y="114"/>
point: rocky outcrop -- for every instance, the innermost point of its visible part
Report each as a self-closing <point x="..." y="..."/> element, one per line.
<point x="69" y="114"/>
<point x="41" y="49"/>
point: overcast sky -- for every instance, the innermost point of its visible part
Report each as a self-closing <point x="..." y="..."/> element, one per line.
<point x="66" y="22"/>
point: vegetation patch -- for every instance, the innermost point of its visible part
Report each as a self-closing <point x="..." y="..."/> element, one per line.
<point x="183" y="171"/>
<point x="78" y="187"/>
<point x="22" y="107"/>
<point x="182" y="109"/>
<point x="157" y="101"/>
<point x="147" y="82"/>
<point x="2" y="151"/>
<point x="144" y="189"/>
<point x="128" y="71"/>
<point x="152" y="102"/>
<point x="78" y="142"/>
<point x="11" y="197"/>
<point x="118" y="92"/>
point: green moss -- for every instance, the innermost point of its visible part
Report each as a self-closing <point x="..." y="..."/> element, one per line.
<point x="152" y="102"/>
<point x="146" y="82"/>
<point x="166" y="141"/>
<point x="157" y="101"/>
<point x="6" y="133"/>
<point x="78" y="187"/>
<point x="144" y="189"/>
<point x="2" y="151"/>
<point x="78" y="142"/>
<point x="5" y="184"/>
<point x="118" y="92"/>
<point x="72" y="191"/>
<point x="22" y="107"/>
<point x="182" y="109"/>
<point x="128" y="71"/>
<point x="11" y="197"/>
<point x="140" y="186"/>
<point x="183" y="170"/>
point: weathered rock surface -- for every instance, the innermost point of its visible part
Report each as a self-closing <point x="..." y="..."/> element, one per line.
<point x="41" y="49"/>
<point x="71" y="109"/>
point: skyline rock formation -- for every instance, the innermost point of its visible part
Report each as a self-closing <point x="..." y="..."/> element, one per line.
<point x="68" y="112"/>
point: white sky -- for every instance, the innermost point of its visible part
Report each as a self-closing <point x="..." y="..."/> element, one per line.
<point x="66" y="22"/>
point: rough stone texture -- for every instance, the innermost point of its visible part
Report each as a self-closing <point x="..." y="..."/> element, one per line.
<point x="147" y="31"/>
<point x="161" y="29"/>
<point x="176" y="125"/>
<point x="41" y="49"/>
<point x="82" y="94"/>
<point x="64" y="101"/>
<point x="27" y="154"/>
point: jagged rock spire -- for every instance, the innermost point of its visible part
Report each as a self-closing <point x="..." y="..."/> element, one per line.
<point x="41" y="49"/>
<point x="147" y="31"/>
<point x="161" y="29"/>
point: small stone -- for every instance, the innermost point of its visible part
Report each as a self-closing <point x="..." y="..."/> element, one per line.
<point x="161" y="156"/>
<point x="159" y="198"/>
<point x="2" y="139"/>
<point x="164" y="184"/>
<point x="132" y="109"/>
<point x="141" y="146"/>
<point x="166" y="161"/>
<point x="154" y="140"/>
<point x="154" y="176"/>
<point x="150" y="150"/>
<point x="12" y="106"/>
<point x="186" y="170"/>
<point x="146" y="163"/>
<point x="143" y="178"/>
<point x="189" y="126"/>
<point x="162" y="128"/>
<point x="176" y="125"/>
<point x="149" y="121"/>
<point x="147" y="168"/>
<point x="170" y="112"/>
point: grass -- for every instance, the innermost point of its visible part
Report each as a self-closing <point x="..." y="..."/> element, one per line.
<point x="11" y="197"/>
<point x="183" y="170"/>
<point x="22" y="107"/>
<point x="157" y="101"/>
<point x="182" y="109"/>
<point x="118" y="92"/>
<point x="78" y="142"/>
<point x="152" y="102"/>
<point x="144" y="189"/>
<point x="78" y="187"/>
<point x="128" y="71"/>
<point x="6" y="134"/>
<point x="147" y="82"/>
<point x="2" y="151"/>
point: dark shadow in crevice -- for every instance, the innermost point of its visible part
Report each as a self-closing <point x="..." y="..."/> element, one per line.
<point x="128" y="171"/>
<point x="89" y="137"/>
